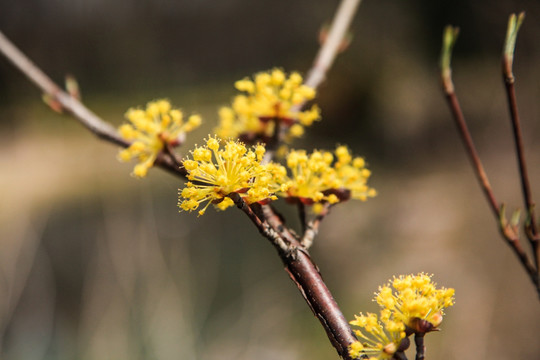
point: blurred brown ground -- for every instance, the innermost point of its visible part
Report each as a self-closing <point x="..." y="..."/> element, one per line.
<point x="97" y="265"/>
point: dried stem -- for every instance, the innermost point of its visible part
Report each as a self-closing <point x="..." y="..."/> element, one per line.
<point x="531" y="228"/>
<point x="507" y="230"/>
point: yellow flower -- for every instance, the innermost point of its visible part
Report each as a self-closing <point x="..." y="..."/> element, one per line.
<point x="355" y="349"/>
<point x="267" y="105"/>
<point x="416" y="307"/>
<point x="416" y="301"/>
<point x="215" y="173"/>
<point x="322" y="177"/>
<point x="378" y="340"/>
<point x="152" y="128"/>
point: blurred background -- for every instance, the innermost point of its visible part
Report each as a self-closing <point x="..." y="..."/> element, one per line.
<point x="95" y="264"/>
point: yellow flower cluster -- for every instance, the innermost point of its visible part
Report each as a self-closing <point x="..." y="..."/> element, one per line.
<point x="382" y="339"/>
<point x="215" y="173"/>
<point x="416" y="298"/>
<point x="314" y="179"/>
<point x="415" y="307"/>
<point x="322" y="177"/>
<point x="150" y="130"/>
<point x="268" y="103"/>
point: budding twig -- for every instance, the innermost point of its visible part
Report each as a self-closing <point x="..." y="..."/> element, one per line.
<point x="449" y="38"/>
<point x="514" y="23"/>
<point x="507" y="230"/>
<point x="73" y="106"/>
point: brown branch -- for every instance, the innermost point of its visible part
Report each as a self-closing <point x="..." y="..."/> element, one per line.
<point x="67" y="102"/>
<point x="264" y="228"/>
<point x="465" y="134"/>
<point x="455" y="108"/>
<point x="531" y="228"/>
<point x="507" y="230"/>
<point x="73" y="106"/>
<point x="305" y="274"/>
<point x="323" y="60"/>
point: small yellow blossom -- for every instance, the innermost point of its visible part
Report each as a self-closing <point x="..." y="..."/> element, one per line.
<point x="415" y="298"/>
<point x="353" y="174"/>
<point x="268" y="103"/>
<point x="322" y="177"/>
<point x="214" y="173"/>
<point x="378" y="340"/>
<point x="355" y="349"/>
<point x="149" y="130"/>
<point x="415" y="307"/>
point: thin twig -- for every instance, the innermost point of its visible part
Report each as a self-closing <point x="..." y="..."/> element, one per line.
<point x="329" y="50"/>
<point x="449" y="38"/>
<point x="507" y="230"/>
<point x="313" y="227"/>
<point x="68" y="103"/>
<point x="325" y="57"/>
<point x="514" y="24"/>
<point x="73" y="106"/>
<point x="264" y="228"/>
<point x="399" y="355"/>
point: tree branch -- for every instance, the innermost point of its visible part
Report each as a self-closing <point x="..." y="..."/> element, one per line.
<point x="449" y="39"/>
<point x="297" y="261"/>
<point x="312" y="228"/>
<point x="507" y="230"/>
<point x="73" y="106"/>
<point x="305" y="274"/>
<point x="531" y="229"/>
<point x="329" y="50"/>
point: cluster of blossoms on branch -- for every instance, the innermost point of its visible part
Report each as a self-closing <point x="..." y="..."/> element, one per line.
<point x="268" y="106"/>
<point x="234" y="164"/>
<point x="152" y="130"/>
<point x="214" y="174"/>
<point x="268" y="113"/>
<point x="414" y="306"/>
